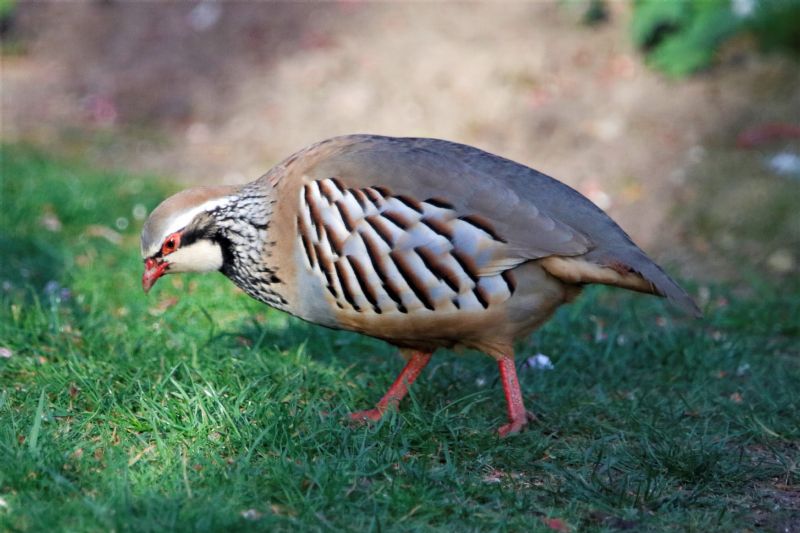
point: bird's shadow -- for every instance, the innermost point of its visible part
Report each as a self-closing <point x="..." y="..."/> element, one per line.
<point x="372" y="363"/>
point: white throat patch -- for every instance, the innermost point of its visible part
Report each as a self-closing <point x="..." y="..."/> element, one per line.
<point x="200" y="256"/>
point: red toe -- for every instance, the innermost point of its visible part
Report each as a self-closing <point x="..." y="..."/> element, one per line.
<point x="368" y="415"/>
<point x="513" y="427"/>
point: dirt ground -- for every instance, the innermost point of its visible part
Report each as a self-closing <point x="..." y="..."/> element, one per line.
<point x="218" y="92"/>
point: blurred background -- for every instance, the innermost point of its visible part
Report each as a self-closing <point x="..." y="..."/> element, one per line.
<point x="681" y="119"/>
<point x="197" y="409"/>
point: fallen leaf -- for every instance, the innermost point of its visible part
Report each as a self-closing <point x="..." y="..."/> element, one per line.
<point x="281" y="510"/>
<point x="163" y="305"/>
<point x="244" y="341"/>
<point x="493" y="476"/>
<point x="141" y="454"/>
<point x="556" y="524"/>
<point x="763" y="133"/>
<point x="104" y="232"/>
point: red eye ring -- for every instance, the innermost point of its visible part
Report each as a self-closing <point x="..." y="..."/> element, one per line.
<point x="171" y="244"/>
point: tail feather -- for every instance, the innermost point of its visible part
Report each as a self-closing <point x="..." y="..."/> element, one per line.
<point x="665" y="286"/>
<point x="636" y="272"/>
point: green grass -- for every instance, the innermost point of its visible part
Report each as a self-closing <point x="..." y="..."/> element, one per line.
<point x="187" y="408"/>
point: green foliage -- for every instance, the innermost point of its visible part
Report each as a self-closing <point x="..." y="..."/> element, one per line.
<point x="7" y="7"/>
<point x="197" y="409"/>
<point x="681" y="37"/>
<point x="777" y="25"/>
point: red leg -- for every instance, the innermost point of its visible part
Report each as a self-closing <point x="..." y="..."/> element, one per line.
<point x="517" y="416"/>
<point x="399" y="388"/>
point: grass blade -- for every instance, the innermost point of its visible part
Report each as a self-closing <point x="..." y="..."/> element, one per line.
<point x="33" y="436"/>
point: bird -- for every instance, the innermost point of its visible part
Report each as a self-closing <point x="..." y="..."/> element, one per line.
<point x="423" y="243"/>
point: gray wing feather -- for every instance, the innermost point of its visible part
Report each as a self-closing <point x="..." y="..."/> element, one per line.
<point x="423" y="172"/>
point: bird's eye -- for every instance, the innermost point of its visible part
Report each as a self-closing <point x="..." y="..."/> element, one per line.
<point x="171" y="244"/>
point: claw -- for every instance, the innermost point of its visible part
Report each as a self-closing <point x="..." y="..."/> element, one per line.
<point x="516" y="425"/>
<point x="366" y="416"/>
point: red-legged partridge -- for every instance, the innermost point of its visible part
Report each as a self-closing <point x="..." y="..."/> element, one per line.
<point x="423" y="243"/>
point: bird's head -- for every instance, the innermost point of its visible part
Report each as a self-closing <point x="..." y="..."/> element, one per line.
<point x="180" y="235"/>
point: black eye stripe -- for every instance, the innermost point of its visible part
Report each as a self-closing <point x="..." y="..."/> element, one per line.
<point x="191" y="235"/>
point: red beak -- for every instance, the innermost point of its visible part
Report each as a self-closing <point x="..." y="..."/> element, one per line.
<point x="152" y="271"/>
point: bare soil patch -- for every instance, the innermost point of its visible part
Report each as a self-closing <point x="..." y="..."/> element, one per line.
<point x="218" y="92"/>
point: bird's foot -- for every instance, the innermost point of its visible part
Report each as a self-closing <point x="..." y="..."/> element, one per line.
<point x="366" y="416"/>
<point x="516" y="425"/>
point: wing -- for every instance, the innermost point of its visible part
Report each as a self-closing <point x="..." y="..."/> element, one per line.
<point x="427" y="169"/>
<point x="390" y="253"/>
